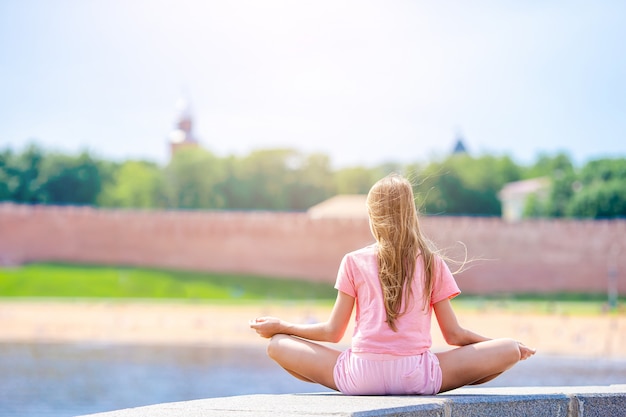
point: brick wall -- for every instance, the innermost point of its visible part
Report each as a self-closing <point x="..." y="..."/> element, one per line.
<point x="529" y="256"/>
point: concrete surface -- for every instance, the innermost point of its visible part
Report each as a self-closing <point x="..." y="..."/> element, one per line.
<point x="583" y="401"/>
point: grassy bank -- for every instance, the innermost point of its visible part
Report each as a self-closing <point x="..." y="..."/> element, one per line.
<point x="559" y="303"/>
<point x="87" y="281"/>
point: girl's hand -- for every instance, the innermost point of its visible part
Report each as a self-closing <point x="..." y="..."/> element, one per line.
<point x="267" y="326"/>
<point x="525" y="351"/>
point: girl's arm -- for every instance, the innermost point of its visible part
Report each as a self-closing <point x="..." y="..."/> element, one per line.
<point x="452" y="332"/>
<point x="328" y="331"/>
<point x="456" y="335"/>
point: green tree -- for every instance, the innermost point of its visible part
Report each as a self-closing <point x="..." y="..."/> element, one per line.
<point x="355" y="180"/>
<point x="461" y="184"/>
<point x="600" y="191"/>
<point x="284" y="179"/>
<point x="563" y="175"/>
<point x="191" y="180"/>
<point x="23" y="172"/>
<point x="547" y="165"/>
<point x="276" y="179"/>
<point x="599" y="200"/>
<point x="264" y="177"/>
<point x="69" y="180"/>
<point x="233" y="189"/>
<point x="603" y="170"/>
<point x="5" y="175"/>
<point x="312" y="182"/>
<point x="134" y="184"/>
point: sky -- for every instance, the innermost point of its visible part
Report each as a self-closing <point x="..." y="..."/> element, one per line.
<point x="364" y="82"/>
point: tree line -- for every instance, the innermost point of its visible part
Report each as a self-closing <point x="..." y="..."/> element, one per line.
<point x="289" y="180"/>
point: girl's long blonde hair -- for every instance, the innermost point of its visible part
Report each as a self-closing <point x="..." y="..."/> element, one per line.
<point x="394" y="224"/>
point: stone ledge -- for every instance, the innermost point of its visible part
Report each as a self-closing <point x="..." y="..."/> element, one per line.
<point x="584" y="401"/>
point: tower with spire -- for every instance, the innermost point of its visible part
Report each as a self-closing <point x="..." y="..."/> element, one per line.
<point x="182" y="135"/>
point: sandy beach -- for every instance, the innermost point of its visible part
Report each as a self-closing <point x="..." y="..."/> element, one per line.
<point x="168" y="323"/>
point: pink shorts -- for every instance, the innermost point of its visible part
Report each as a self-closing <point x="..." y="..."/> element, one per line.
<point x="381" y="374"/>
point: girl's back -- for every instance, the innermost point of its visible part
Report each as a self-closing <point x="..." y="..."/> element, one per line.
<point x="358" y="277"/>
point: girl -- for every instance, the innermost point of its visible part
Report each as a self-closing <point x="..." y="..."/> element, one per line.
<point x="395" y="283"/>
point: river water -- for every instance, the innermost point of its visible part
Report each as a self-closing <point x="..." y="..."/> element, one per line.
<point x="60" y="380"/>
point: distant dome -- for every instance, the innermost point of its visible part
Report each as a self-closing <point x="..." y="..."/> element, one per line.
<point x="459" y="146"/>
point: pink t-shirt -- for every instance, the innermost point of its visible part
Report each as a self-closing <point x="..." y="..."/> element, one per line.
<point x="358" y="277"/>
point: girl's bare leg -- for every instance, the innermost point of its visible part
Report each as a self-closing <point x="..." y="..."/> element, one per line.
<point x="308" y="361"/>
<point x="477" y="363"/>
